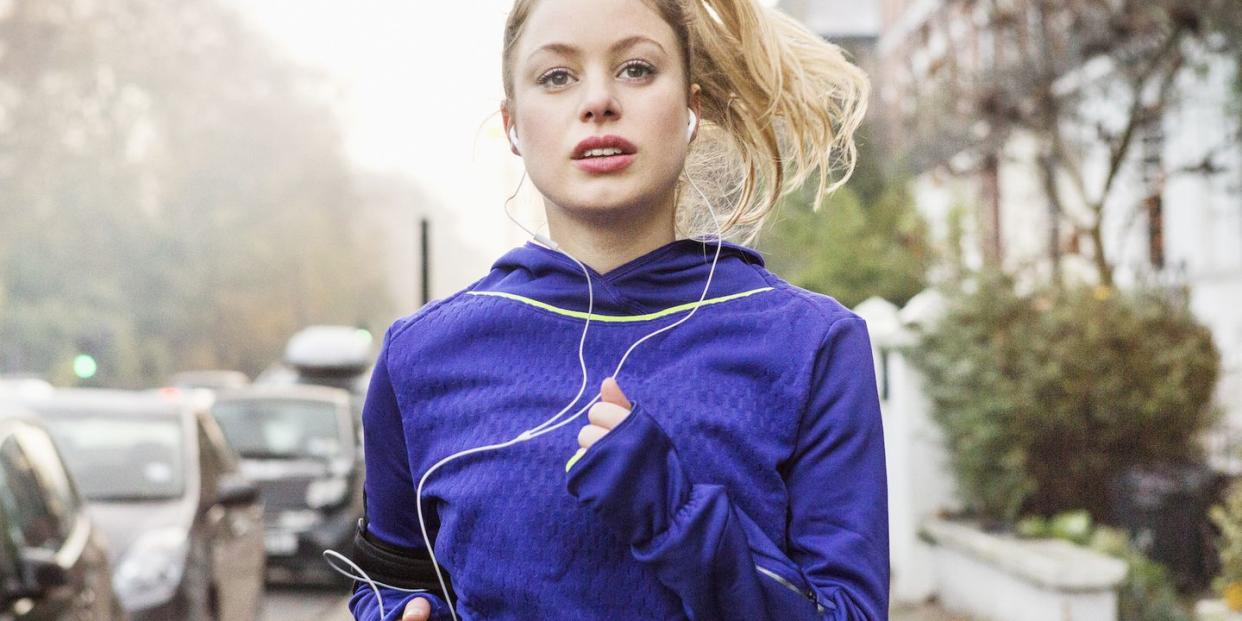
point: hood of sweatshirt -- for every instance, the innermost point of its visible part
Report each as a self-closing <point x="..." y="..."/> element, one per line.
<point x="671" y="275"/>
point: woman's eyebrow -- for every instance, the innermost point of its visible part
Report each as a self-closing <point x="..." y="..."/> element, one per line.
<point x="566" y="49"/>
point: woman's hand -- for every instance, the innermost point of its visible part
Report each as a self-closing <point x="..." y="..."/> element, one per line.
<point x="419" y="609"/>
<point x="612" y="408"/>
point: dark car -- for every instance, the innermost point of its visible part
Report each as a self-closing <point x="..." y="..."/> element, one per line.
<point x="53" y="560"/>
<point x="300" y="444"/>
<point x="163" y="484"/>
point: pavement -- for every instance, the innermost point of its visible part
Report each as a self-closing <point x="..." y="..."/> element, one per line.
<point x="288" y="603"/>
<point x="924" y="612"/>
<point x="283" y="603"/>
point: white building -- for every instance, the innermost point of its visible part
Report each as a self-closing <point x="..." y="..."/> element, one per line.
<point x="1160" y="223"/>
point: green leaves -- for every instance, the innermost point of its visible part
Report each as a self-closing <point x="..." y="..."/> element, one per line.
<point x="1046" y="397"/>
<point x="1228" y="518"/>
<point x="866" y="240"/>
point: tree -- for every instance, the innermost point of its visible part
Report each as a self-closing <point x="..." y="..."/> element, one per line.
<point x="173" y="194"/>
<point x="866" y="240"/>
<point x="1047" y="398"/>
<point x="1049" y="62"/>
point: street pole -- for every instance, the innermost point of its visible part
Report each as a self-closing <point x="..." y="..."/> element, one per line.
<point x="425" y="246"/>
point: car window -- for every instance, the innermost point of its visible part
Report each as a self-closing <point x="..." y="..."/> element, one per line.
<point x="291" y="428"/>
<point x="33" y="523"/>
<point x="122" y="457"/>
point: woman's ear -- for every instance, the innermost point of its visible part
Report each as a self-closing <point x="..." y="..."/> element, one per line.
<point x="695" y="104"/>
<point x="510" y="131"/>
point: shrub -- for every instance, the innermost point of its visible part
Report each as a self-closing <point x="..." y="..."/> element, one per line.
<point x="1228" y="518"/>
<point x="1046" y="398"/>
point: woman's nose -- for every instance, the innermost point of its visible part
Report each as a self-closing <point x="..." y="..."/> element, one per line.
<point x="599" y="105"/>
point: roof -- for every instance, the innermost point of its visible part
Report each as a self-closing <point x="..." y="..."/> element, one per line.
<point x="310" y="392"/>
<point x="99" y="400"/>
<point x="11" y="410"/>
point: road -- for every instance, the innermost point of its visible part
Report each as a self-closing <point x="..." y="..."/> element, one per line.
<point x="283" y="603"/>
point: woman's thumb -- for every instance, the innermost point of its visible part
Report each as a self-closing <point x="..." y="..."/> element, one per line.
<point x="610" y="392"/>
<point x="417" y="610"/>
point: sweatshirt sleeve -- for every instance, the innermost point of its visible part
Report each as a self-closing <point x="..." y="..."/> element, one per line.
<point x="715" y="557"/>
<point x="390" y="493"/>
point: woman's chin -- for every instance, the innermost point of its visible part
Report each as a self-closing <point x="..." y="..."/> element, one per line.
<point x="603" y="201"/>
<point x="601" y="210"/>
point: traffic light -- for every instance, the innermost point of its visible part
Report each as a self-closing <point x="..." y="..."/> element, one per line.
<point x="84" y="366"/>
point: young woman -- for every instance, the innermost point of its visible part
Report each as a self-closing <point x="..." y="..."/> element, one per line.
<point x="732" y="464"/>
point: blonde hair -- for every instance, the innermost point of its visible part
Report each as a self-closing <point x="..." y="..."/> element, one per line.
<point x="779" y="105"/>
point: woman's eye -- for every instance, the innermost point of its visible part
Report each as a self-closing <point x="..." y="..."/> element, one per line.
<point x="637" y="70"/>
<point x="556" y="77"/>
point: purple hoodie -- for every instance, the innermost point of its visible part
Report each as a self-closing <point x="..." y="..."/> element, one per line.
<point x="748" y="481"/>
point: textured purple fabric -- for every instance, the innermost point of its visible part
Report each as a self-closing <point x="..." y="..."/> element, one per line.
<point x="754" y="449"/>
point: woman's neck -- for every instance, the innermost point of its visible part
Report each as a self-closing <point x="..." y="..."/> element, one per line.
<point x="606" y="242"/>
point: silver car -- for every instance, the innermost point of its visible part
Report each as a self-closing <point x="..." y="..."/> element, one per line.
<point x="161" y="481"/>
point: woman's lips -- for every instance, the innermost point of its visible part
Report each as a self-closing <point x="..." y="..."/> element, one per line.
<point x="604" y="165"/>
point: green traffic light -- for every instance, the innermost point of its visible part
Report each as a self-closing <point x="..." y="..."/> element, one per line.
<point x="84" y="366"/>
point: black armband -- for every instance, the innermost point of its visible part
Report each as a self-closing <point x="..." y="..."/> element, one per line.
<point x="399" y="566"/>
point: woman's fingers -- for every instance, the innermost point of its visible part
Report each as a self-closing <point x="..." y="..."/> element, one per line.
<point x="607" y="415"/>
<point x="418" y="609"/>
<point x="610" y="392"/>
<point x="590" y="435"/>
<point x="604" y="415"/>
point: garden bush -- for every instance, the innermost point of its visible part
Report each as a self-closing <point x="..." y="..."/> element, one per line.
<point x="1047" y="397"/>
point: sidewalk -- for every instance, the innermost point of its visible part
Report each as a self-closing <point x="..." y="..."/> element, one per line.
<point x="924" y="612"/>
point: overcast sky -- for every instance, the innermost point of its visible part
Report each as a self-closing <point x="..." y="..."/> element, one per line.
<point x="422" y="88"/>
<point x="421" y="76"/>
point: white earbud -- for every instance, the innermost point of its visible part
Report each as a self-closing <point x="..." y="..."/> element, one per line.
<point x="694" y="120"/>
<point x="513" y="137"/>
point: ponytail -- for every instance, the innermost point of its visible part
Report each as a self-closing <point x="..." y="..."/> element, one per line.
<point x="785" y="105"/>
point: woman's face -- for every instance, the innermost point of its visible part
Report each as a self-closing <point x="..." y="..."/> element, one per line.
<point x="603" y="69"/>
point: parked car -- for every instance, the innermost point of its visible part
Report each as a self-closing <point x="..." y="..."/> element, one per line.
<point x="212" y="379"/>
<point x="162" y="482"/>
<point x="23" y="384"/>
<point x="301" y="445"/>
<point x="53" y="560"/>
<point x="335" y="356"/>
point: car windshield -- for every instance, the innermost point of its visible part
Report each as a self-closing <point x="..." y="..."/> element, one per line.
<point x="280" y="428"/>
<point x="122" y="458"/>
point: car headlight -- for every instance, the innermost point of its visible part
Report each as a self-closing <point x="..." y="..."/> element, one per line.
<point x="326" y="492"/>
<point x="151" y="569"/>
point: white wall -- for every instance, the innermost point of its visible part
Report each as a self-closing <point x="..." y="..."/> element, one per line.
<point x="1203" y="218"/>
<point x="1202" y="214"/>
<point x="920" y="482"/>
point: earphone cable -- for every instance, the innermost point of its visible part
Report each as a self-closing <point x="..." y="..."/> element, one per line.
<point x="544" y="427"/>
